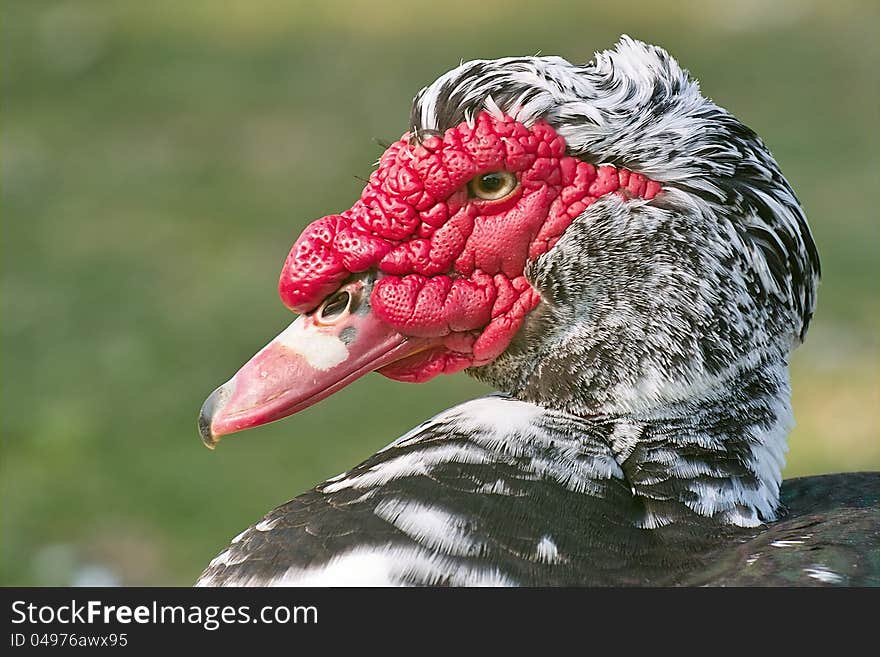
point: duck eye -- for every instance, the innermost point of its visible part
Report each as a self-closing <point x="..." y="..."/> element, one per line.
<point x="333" y="308"/>
<point x="492" y="186"/>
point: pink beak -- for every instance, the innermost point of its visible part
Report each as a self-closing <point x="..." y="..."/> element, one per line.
<point x="310" y="360"/>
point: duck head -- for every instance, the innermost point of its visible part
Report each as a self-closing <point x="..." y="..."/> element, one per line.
<point x="598" y="238"/>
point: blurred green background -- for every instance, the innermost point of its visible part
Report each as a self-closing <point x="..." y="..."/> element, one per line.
<point x="159" y="158"/>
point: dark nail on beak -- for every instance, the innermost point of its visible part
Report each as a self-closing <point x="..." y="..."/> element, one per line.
<point x="212" y="405"/>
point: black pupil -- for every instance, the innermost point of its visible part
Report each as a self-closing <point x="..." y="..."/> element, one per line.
<point x="491" y="182"/>
<point x="335" y="306"/>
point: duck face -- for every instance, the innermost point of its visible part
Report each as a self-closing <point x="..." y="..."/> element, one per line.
<point x="426" y="273"/>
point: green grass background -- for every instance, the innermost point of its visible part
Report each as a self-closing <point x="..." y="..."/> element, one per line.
<point x="159" y="158"/>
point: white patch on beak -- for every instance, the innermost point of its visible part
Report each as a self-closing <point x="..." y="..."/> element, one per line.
<point x="321" y="351"/>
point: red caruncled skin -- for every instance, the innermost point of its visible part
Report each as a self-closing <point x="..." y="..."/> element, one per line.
<point x="452" y="265"/>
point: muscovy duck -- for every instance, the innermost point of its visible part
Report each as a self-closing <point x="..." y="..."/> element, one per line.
<point x="625" y="261"/>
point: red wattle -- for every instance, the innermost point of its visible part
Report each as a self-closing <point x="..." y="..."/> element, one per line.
<point x="452" y="265"/>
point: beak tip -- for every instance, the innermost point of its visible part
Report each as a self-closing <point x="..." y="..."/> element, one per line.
<point x="205" y="432"/>
<point x="213" y="404"/>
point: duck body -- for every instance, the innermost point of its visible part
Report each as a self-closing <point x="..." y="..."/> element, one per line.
<point x="497" y="492"/>
<point x="625" y="261"/>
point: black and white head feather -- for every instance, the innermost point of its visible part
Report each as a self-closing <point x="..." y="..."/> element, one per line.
<point x="634" y="107"/>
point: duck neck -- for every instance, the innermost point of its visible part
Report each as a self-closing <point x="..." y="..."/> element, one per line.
<point x="718" y="454"/>
<point x="712" y="448"/>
